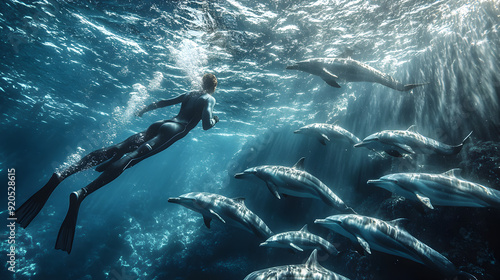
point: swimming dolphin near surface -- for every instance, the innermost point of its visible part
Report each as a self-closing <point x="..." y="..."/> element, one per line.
<point x="226" y="210"/>
<point x="327" y="132"/>
<point x="300" y="240"/>
<point x="349" y="70"/>
<point x="446" y="189"/>
<point x="296" y="182"/>
<point x="311" y="270"/>
<point x="387" y="237"/>
<point x="399" y="142"/>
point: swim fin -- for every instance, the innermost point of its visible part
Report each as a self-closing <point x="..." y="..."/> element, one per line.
<point x="67" y="231"/>
<point x="28" y="211"/>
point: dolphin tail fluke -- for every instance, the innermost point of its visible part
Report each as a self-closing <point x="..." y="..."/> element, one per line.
<point x="458" y="148"/>
<point x="412" y="86"/>
<point x="30" y="209"/>
<point x="67" y="231"/>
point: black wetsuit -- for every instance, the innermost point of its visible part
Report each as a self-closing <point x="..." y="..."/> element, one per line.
<point x="196" y="106"/>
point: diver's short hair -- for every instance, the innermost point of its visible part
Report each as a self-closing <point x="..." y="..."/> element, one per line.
<point x="209" y="82"/>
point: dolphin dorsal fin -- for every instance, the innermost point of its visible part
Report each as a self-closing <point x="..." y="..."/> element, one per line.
<point x="240" y="200"/>
<point x="304" y="228"/>
<point x="300" y="164"/>
<point x="455" y="172"/>
<point x="412" y="128"/>
<point x="398" y="222"/>
<point x="313" y="259"/>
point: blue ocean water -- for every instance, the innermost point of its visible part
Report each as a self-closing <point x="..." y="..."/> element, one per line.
<point x="72" y="74"/>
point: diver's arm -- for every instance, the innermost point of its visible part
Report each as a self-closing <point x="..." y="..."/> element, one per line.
<point x="161" y="104"/>
<point x="208" y="120"/>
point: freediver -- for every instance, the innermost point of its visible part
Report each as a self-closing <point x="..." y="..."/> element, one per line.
<point x="113" y="160"/>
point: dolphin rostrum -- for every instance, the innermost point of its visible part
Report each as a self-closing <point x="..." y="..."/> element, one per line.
<point x="387" y="237"/>
<point x="327" y="132"/>
<point x="311" y="270"/>
<point x="349" y="70"/>
<point x="296" y="182"/>
<point x="226" y="210"/>
<point x="446" y="189"/>
<point x="300" y="240"/>
<point x="399" y="142"/>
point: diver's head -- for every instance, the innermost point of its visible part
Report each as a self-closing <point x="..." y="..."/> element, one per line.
<point x="209" y="83"/>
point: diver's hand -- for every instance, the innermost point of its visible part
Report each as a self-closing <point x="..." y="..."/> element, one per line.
<point x="216" y="119"/>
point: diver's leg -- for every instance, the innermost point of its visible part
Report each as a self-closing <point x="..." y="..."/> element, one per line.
<point x="169" y="133"/>
<point x="99" y="156"/>
<point x="132" y="144"/>
<point x="28" y="211"/>
<point x="67" y="231"/>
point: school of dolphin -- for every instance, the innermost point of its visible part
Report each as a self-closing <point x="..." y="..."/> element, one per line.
<point x="446" y="189"/>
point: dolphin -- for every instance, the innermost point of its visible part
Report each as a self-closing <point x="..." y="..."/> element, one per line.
<point x="387" y="237"/>
<point x="349" y="70"/>
<point x="446" y="189"/>
<point x="300" y="240"/>
<point x="311" y="270"/>
<point x="294" y="181"/>
<point x="399" y="142"/>
<point x="326" y="132"/>
<point x="226" y="210"/>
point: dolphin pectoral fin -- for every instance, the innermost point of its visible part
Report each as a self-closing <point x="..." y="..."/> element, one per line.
<point x="323" y="139"/>
<point x="330" y="78"/>
<point x="394" y="153"/>
<point x="406" y="148"/>
<point x="207" y="221"/>
<point x="328" y="73"/>
<point x="295" y="247"/>
<point x="364" y="244"/>
<point x="217" y="216"/>
<point x="331" y="82"/>
<point x="425" y="200"/>
<point x="273" y="189"/>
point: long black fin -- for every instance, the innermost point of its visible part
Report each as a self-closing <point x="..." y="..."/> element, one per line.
<point x="30" y="209"/>
<point x="67" y="231"/>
